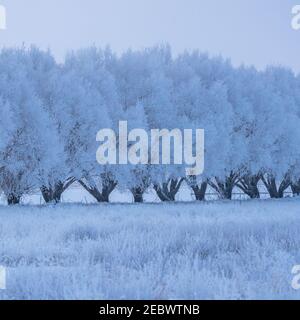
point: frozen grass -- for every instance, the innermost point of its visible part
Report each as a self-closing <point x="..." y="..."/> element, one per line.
<point x="216" y="250"/>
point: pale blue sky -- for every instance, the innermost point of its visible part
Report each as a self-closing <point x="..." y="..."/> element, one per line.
<point x="247" y="31"/>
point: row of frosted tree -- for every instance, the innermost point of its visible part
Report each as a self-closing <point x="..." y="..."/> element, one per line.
<point x="50" y="114"/>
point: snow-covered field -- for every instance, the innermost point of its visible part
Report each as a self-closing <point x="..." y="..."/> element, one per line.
<point x="213" y="250"/>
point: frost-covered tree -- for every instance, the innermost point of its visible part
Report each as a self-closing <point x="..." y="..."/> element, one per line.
<point x="143" y="82"/>
<point x="53" y="175"/>
<point x="244" y="94"/>
<point x="20" y="108"/>
<point x="96" y="107"/>
<point x="277" y="140"/>
<point x="7" y="129"/>
<point x="136" y="176"/>
<point x="133" y="75"/>
<point x="293" y="87"/>
<point x="214" y="113"/>
<point x="162" y="110"/>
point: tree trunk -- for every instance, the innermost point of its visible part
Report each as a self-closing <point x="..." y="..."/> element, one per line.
<point x="52" y="194"/>
<point x="199" y="190"/>
<point x="270" y="183"/>
<point x="295" y="186"/>
<point x="13" y="185"/>
<point x="249" y="185"/>
<point x="138" y="193"/>
<point x="225" y="187"/>
<point x="108" y="186"/>
<point x="13" y="199"/>
<point x="168" y="190"/>
<point x="143" y="182"/>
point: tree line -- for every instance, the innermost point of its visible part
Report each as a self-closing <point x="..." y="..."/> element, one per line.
<point x="50" y="114"/>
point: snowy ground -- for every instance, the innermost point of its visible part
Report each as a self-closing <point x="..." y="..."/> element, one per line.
<point x="215" y="250"/>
